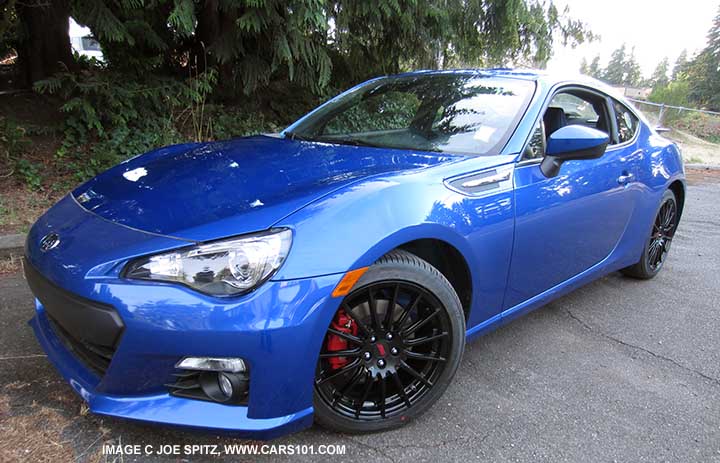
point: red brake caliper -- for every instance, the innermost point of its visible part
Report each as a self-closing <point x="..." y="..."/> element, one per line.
<point x="335" y="343"/>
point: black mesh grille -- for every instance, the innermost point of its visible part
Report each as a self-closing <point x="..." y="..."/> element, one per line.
<point x="95" y="357"/>
<point x="89" y="329"/>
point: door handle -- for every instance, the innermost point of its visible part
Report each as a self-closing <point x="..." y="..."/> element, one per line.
<point x="625" y="178"/>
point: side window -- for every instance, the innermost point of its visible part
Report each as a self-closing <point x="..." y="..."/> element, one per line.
<point x="566" y="108"/>
<point x="577" y="110"/>
<point x="627" y="123"/>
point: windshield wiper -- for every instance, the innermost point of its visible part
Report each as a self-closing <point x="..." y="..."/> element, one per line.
<point x="341" y="141"/>
<point x="296" y="136"/>
<point x="350" y="141"/>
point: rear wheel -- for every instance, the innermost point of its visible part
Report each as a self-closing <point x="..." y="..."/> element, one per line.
<point x="658" y="243"/>
<point x="392" y="348"/>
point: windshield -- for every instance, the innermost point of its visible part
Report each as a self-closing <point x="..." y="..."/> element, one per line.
<point x="457" y="113"/>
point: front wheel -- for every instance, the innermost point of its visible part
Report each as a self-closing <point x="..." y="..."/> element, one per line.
<point x="658" y="243"/>
<point x="391" y="349"/>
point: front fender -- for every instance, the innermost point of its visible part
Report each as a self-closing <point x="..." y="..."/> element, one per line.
<point x="356" y="225"/>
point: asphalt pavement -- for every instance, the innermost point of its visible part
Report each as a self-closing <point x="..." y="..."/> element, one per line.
<point x="620" y="370"/>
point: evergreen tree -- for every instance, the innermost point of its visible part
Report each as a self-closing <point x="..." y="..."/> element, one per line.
<point x="301" y="42"/>
<point x="631" y="70"/>
<point x="659" y="77"/>
<point x="594" y="70"/>
<point x="615" y="72"/>
<point x="680" y="66"/>
<point x="584" y="66"/>
<point x="703" y="73"/>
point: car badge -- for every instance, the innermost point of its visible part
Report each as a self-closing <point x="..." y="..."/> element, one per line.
<point x="49" y="241"/>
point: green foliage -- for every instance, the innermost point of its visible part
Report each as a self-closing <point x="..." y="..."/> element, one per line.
<point x="172" y="68"/>
<point x="659" y="78"/>
<point x="387" y="111"/>
<point x="110" y="118"/>
<point x="680" y="66"/>
<point x="13" y="145"/>
<point x="250" y="41"/>
<point x="29" y="172"/>
<point x="622" y="69"/>
<point x="230" y="123"/>
<point x="632" y="73"/>
<point x="594" y="69"/>
<point x="13" y="140"/>
<point x="584" y="68"/>
<point x="253" y="42"/>
<point x="615" y="71"/>
<point x="675" y="93"/>
<point x="703" y="73"/>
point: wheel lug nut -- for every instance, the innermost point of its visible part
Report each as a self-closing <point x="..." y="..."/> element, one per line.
<point x="367" y="355"/>
<point x="389" y="336"/>
<point x="394" y="351"/>
<point x="381" y="363"/>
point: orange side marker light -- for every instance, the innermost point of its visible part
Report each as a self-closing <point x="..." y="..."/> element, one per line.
<point x="348" y="281"/>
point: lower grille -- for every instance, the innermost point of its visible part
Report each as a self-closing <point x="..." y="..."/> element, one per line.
<point x="95" y="357"/>
<point x="89" y="329"/>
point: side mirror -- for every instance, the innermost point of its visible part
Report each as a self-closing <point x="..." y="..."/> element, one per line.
<point x="572" y="142"/>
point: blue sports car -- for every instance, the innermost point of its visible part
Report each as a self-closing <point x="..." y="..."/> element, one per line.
<point x="335" y="271"/>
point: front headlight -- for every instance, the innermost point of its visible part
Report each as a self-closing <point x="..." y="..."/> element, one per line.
<point x="222" y="268"/>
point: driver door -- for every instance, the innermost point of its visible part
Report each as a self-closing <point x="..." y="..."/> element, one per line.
<point x="568" y="223"/>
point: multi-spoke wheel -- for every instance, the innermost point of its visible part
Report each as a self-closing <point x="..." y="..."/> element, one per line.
<point x="658" y="244"/>
<point x="392" y="347"/>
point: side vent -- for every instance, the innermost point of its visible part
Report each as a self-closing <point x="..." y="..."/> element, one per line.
<point x="484" y="182"/>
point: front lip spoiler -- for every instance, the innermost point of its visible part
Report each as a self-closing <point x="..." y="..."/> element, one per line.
<point x="163" y="409"/>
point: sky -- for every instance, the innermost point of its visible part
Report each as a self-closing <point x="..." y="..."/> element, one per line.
<point x="656" y="28"/>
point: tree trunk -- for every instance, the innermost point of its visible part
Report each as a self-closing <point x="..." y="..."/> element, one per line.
<point x="45" y="44"/>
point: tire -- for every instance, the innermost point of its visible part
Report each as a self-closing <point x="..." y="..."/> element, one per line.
<point x="657" y="245"/>
<point x="341" y="403"/>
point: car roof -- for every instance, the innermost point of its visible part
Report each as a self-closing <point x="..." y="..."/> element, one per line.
<point x="547" y="79"/>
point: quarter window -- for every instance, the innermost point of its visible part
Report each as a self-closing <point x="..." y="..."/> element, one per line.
<point x="627" y="123"/>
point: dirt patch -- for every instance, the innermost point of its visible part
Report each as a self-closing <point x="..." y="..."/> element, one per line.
<point x="10" y="265"/>
<point x="34" y="436"/>
<point x="27" y="190"/>
<point x="47" y="432"/>
<point x="20" y="207"/>
<point x="698" y="176"/>
<point x="696" y="150"/>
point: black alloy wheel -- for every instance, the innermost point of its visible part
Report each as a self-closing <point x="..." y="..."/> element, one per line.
<point x="391" y="348"/>
<point x="662" y="234"/>
<point x="658" y="244"/>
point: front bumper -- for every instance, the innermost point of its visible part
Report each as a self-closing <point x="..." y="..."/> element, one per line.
<point x="277" y="329"/>
<point x="281" y="352"/>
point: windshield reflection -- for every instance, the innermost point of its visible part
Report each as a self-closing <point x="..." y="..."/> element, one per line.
<point x="458" y="113"/>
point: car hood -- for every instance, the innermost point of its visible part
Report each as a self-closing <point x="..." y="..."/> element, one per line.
<point x="206" y="191"/>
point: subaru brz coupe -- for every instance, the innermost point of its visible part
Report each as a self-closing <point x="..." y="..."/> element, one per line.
<point x="335" y="271"/>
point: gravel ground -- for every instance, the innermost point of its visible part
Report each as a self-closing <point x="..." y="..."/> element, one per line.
<point x="620" y="370"/>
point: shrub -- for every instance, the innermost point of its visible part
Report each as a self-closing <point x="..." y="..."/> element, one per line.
<point x="13" y="145"/>
<point x="705" y="126"/>
<point x="110" y="118"/>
